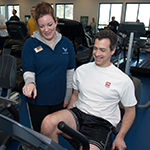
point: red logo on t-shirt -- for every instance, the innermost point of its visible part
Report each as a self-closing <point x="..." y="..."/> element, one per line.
<point x="108" y="84"/>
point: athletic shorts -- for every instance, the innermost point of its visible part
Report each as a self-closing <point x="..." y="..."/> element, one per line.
<point x="97" y="130"/>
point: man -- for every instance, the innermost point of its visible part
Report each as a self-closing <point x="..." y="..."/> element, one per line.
<point x="114" y="24"/>
<point x="3" y="32"/>
<point x="31" y="25"/>
<point x="93" y="25"/>
<point x="93" y="107"/>
<point x="14" y="17"/>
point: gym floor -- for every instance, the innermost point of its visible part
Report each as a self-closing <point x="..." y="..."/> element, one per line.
<point x="138" y="136"/>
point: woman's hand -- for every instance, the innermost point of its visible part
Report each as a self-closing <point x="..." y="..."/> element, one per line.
<point x="28" y="89"/>
<point x="65" y="104"/>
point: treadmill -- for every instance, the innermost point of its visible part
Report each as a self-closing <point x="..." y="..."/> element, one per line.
<point x="133" y="31"/>
<point x="140" y="67"/>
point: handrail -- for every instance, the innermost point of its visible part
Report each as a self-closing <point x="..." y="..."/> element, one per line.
<point x="74" y="134"/>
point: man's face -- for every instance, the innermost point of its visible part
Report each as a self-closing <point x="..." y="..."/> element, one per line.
<point x="13" y="12"/>
<point x="102" y="53"/>
<point x="113" y="18"/>
<point x="32" y="12"/>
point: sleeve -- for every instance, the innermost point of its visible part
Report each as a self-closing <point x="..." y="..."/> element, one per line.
<point x="128" y="98"/>
<point x="69" y="84"/>
<point x="75" y="81"/>
<point x="29" y="77"/>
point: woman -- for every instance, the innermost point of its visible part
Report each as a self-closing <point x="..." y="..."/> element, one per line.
<point x="48" y="65"/>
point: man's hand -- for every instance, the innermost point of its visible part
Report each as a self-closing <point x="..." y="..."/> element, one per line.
<point x="119" y="144"/>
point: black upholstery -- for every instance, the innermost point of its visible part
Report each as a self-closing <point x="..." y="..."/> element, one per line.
<point x="8" y="70"/>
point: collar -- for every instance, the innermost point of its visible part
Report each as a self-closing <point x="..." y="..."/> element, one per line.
<point x="38" y="36"/>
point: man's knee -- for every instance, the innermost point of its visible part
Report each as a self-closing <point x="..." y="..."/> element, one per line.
<point x="49" y="124"/>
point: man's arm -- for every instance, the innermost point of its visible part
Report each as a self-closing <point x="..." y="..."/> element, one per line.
<point x="127" y="121"/>
<point x="73" y="98"/>
<point x="3" y="27"/>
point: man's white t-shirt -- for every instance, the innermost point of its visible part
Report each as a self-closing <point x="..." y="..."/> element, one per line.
<point x="101" y="89"/>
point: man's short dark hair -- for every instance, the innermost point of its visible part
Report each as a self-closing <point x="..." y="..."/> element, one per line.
<point x="15" y="11"/>
<point x="107" y="34"/>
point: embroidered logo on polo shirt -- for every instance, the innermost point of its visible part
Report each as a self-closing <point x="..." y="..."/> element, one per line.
<point x="107" y="84"/>
<point x="65" y="50"/>
<point x="38" y="49"/>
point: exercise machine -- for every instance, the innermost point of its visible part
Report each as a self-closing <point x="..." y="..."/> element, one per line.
<point x="17" y="31"/>
<point x="28" y="138"/>
<point x="32" y="140"/>
<point x="141" y="67"/>
<point x="133" y="31"/>
<point x="9" y="100"/>
<point x="13" y="46"/>
<point x="74" y="134"/>
<point x="8" y="71"/>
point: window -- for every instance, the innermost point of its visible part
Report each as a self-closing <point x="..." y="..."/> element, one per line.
<point x="2" y="10"/>
<point x="106" y="11"/>
<point x="138" y="11"/>
<point x="131" y="12"/>
<point x="64" y="11"/>
<point x="10" y="9"/>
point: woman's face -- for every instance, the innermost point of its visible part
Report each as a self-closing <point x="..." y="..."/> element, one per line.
<point x="47" y="27"/>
